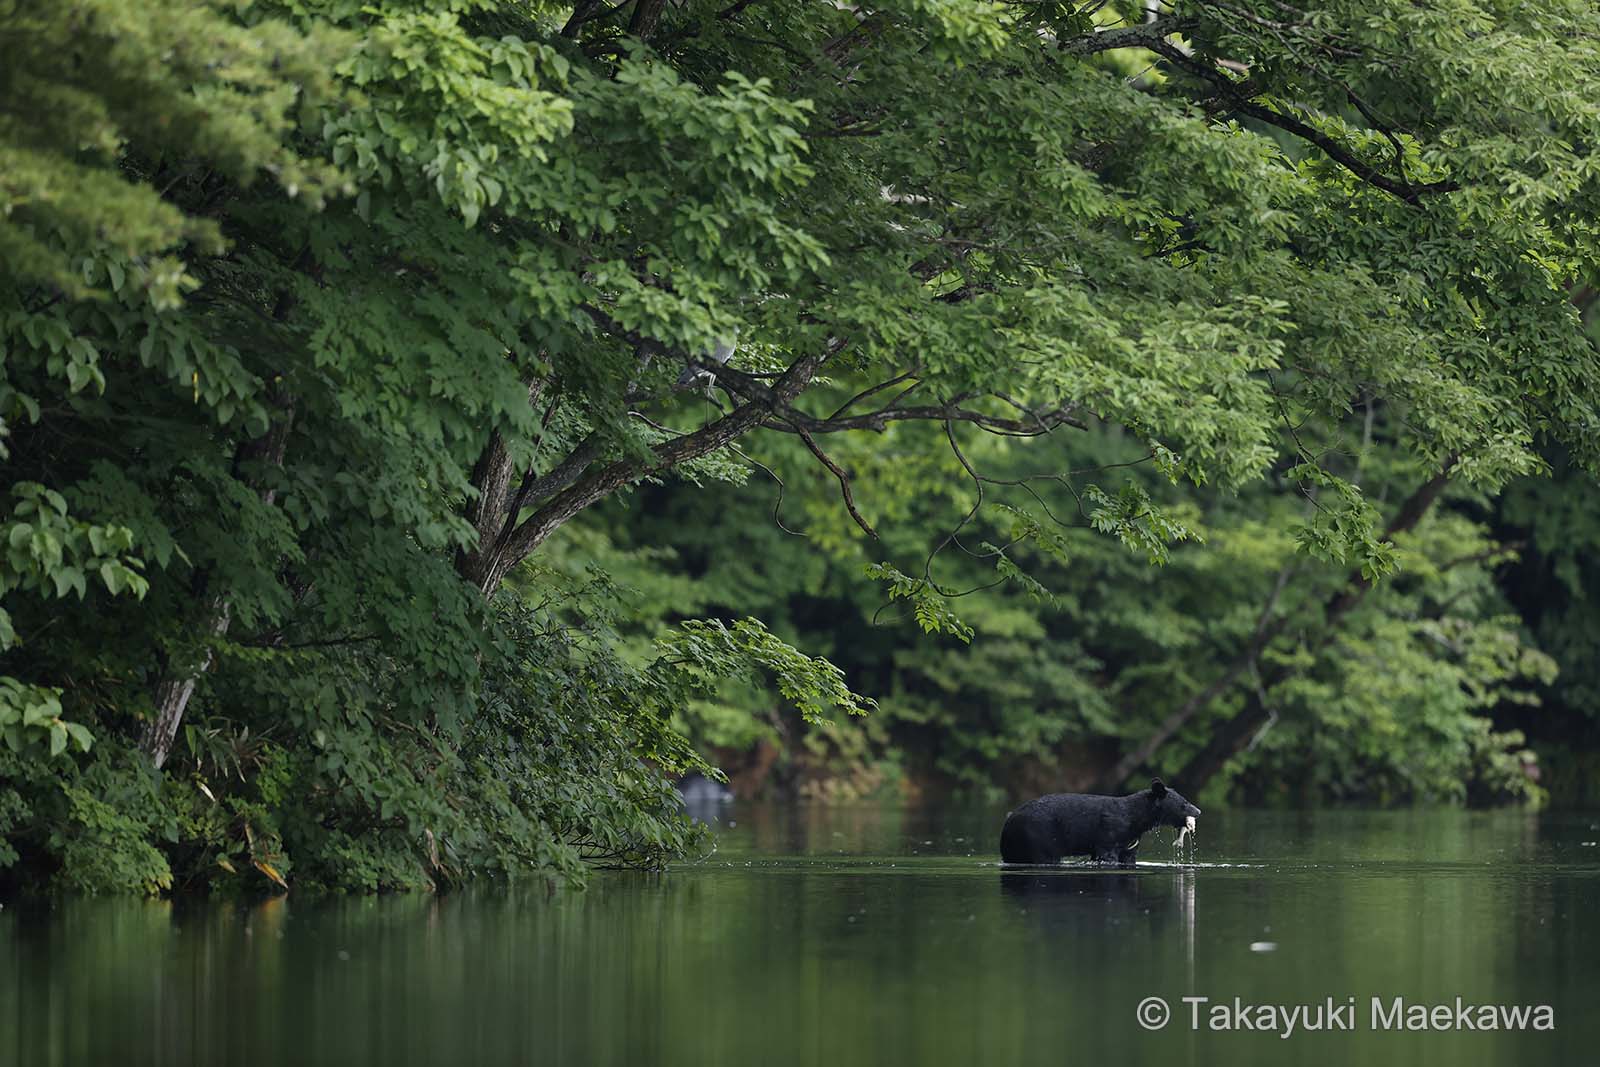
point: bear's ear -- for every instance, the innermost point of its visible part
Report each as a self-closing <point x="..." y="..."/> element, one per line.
<point x="1158" y="787"/>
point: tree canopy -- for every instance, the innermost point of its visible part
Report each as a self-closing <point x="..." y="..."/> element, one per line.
<point x="322" y="319"/>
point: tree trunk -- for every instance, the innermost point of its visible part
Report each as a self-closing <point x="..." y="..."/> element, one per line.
<point x="1234" y="735"/>
<point x="1267" y="628"/>
<point x="173" y="692"/>
<point x="575" y="483"/>
<point x="494" y="513"/>
<point x="1227" y="741"/>
<point x="646" y="16"/>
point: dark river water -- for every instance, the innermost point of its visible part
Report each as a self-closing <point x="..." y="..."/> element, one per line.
<point x="864" y="936"/>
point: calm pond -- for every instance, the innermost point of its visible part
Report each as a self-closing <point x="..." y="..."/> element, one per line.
<point x="857" y="936"/>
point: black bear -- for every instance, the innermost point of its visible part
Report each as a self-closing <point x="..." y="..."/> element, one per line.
<point x="1049" y="829"/>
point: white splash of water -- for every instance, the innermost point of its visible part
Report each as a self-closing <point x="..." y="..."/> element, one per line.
<point x="1186" y="834"/>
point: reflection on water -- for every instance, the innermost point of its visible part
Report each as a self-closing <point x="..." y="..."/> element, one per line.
<point x="857" y="936"/>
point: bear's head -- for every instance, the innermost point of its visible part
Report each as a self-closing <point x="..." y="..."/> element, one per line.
<point x="1170" y="807"/>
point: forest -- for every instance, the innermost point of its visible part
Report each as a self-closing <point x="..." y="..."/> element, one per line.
<point x="430" y="430"/>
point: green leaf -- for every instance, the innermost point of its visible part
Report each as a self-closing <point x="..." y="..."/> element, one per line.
<point x="79" y="734"/>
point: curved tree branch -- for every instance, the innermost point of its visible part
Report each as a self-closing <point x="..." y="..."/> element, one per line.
<point x="595" y="484"/>
<point x="844" y="482"/>
<point x="1140" y="36"/>
<point x="1410" y="192"/>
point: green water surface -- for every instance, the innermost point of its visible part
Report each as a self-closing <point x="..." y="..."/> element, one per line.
<point x="854" y="936"/>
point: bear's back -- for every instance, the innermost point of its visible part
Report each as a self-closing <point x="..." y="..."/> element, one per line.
<point x="1047" y="829"/>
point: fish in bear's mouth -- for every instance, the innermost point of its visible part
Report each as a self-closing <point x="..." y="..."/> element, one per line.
<point x="1188" y="828"/>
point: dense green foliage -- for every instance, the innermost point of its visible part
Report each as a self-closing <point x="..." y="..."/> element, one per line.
<point x="1056" y="679"/>
<point x="323" y="320"/>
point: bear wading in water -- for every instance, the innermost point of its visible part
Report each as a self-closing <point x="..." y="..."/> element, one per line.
<point x="1051" y="828"/>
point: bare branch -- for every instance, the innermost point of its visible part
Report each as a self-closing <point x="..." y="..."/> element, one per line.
<point x="844" y="482"/>
<point x="977" y="504"/>
<point x="1035" y="426"/>
<point x="790" y="418"/>
<point x="777" y="505"/>
<point x="870" y="390"/>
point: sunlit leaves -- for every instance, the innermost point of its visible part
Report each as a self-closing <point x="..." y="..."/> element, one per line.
<point x="1341" y="528"/>
<point x="930" y="605"/>
<point x="1136" y="521"/>
<point x="31" y="715"/>
<point x="709" y="650"/>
